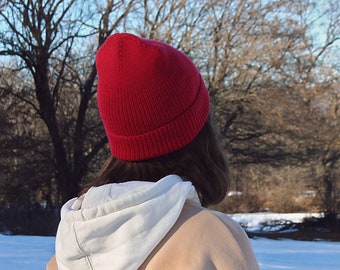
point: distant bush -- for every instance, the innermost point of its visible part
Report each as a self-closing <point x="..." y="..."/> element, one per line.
<point x="28" y="220"/>
<point x="311" y="229"/>
<point x="281" y="189"/>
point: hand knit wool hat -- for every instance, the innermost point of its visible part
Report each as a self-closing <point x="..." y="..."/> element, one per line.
<point x="151" y="97"/>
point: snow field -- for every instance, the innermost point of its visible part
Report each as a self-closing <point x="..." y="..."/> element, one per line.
<point x="32" y="252"/>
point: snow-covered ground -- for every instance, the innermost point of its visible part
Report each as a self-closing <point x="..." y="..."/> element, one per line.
<point x="32" y="252"/>
<point x="296" y="255"/>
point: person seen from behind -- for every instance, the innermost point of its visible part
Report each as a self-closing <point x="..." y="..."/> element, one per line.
<point x="147" y="208"/>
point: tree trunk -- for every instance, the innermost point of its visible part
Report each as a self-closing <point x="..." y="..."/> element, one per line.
<point x="329" y="192"/>
<point x="67" y="186"/>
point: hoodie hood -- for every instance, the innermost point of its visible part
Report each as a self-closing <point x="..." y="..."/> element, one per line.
<point x="116" y="226"/>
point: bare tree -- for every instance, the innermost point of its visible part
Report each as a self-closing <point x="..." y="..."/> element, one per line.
<point x="45" y="36"/>
<point x="262" y="65"/>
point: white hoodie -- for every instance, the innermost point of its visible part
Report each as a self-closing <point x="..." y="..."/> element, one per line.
<point x="116" y="226"/>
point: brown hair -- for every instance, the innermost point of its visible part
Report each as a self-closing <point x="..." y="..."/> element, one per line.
<point x="200" y="162"/>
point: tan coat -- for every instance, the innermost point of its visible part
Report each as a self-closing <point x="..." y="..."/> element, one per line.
<point x="202" y="240"/>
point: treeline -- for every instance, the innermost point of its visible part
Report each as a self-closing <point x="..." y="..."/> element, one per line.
<point x="272" y="69"/>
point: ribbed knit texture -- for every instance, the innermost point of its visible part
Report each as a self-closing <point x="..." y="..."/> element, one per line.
<point x="151" y="97"/>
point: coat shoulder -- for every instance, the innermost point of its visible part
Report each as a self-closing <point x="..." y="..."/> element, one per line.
<point x="203" y="239"/>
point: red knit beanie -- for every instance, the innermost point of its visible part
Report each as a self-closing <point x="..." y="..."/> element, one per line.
<point x="151" y="97"/>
